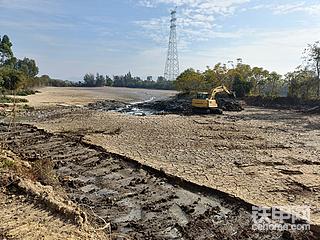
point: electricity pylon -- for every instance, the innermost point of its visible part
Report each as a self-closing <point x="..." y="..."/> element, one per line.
<point x="171" y="71"/>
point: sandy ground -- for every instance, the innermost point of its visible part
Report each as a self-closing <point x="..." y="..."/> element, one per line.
<point x="266" y="157"/>
<point x="79" y="96"/>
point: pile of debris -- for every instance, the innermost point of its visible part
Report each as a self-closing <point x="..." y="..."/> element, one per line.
<point x="291" y="103"/>
<point x="313" y="110"/>
<point x="181" y="104"/>
<point x="107" y="105"/>
<point x="178" y="104"/>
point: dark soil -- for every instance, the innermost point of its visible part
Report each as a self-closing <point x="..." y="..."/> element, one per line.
<point x="179" y="104"/>
<point x="306" y="106"/>
<point x="138" y="201"/>
<point x="107" y="105"/>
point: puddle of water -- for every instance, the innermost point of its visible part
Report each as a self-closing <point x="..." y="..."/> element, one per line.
<point x="130" y="109"/>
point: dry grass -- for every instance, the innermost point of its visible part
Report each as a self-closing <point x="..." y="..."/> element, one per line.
<point x="43" y="172"/>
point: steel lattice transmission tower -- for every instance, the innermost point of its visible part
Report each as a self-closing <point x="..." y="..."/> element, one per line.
<point x="171" y="71"/>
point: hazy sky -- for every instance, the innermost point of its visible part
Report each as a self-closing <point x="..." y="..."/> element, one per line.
<point x="69" y="38"/>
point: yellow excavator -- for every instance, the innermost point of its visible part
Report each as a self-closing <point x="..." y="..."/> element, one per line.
<point x="209" y="102"/>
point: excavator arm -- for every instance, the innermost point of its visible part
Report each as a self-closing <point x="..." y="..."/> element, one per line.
<point x="217" y="90"/>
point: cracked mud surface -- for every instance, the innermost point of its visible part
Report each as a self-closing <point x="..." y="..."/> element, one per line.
<point x="265" y="157"/>
<point x="138" y="203"/>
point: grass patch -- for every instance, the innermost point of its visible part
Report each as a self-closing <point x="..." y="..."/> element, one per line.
<point x="44" y="172"/>
<point x="6" y="163"/>
<point x="5" y="99"/>
<point x="27" y="92"/>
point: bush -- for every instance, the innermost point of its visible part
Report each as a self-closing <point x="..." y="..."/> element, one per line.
<point x="26" y="92"/>
<point x="6" y="163"/>
<point x="11" y="100"/>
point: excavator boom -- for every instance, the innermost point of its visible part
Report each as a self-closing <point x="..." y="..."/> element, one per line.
<point x="209" y="101"/>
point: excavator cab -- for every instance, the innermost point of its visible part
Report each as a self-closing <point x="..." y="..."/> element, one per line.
<point x="202" y="95"/>
<point x="203" y="103"/>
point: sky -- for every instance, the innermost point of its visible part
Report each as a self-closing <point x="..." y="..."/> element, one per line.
<point x="69" y="38"/>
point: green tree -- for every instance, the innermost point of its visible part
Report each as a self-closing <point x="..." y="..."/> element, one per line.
<point x="5" y="49"/>
<point x="258" y="80"/>
<point x="301" y="83"/>
<point x="89" y="80"/>
<point x="274" y="82"/>
<point x="312" y="57"/>
<point x="27" y="66"/>
<point x="190" y="81"/>
<point x="100" y="80"/>
<point x="240" y="86"/>
<point x="109" y="81"/>
<point x="12" y="79"/>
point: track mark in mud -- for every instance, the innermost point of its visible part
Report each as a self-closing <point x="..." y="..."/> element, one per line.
<point x="137" y="200"/>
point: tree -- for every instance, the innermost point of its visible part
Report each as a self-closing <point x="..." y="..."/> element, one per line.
<point x="258" y="80"/>
<point x="312" y="57"/>
<point x="28" y="66"/>
<point x="240" y="86"/>
<point x="100" y="80"/>
<point x="12" y="79"/>
<point x="216" y="76"/>
<point x="190" y="81"/>
<point x="109" y="81"/>
<point x="274" y="83"/>
<point x="5" y="49"/>
<point x="301" y="83"/>
<point x="89" y="80"/>
<point x="160" y="79"/>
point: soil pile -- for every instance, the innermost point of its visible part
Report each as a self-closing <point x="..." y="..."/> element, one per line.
<point x="306" y="106"/>
<point x="179" y="104"/>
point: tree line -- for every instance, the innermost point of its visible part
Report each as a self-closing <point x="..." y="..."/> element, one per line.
<point x="245" y="80"/>
<point x="127" y="80"/>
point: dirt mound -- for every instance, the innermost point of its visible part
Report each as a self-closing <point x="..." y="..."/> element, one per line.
<point x="313" y="110"/>
<point x="310" y="106"/>
<point x="181" y="104"/>
<point x="107" y="105"/>
<point x="178" y="104"/>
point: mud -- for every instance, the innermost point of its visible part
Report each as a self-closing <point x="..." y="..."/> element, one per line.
<point x="137" y="200"/>
<point x="178" y="104"/>
<point x="291" y="103"/>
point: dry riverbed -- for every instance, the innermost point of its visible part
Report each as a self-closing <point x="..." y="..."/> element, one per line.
<point x="261" y="156"/>
<point x="265" y="157"/>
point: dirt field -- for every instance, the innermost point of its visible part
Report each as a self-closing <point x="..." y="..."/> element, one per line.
<point x="139" y="202"/>
<point x="266" y="157"/>
<point x="51" y="96"/>
<point x="261" y="156"/>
